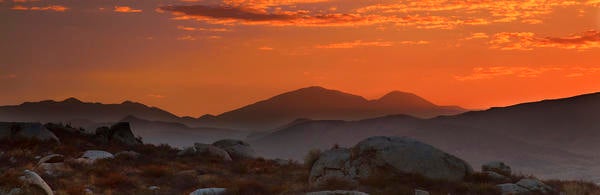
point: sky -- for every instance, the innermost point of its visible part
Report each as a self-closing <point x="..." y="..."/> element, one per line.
<point x="195" y="57"/>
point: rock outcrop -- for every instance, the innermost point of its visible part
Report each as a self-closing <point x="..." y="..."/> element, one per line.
<point x="237" y="149"/>
<point x="400" y="154"/>
<point x="10" y="130"/>
<point x="120" y="132"/>
<point x="207" y="150"/>
<point x="525" y="186"/>
<point x="497" y="167"/>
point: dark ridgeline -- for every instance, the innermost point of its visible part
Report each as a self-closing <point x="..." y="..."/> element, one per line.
<point x="311" y="102"/>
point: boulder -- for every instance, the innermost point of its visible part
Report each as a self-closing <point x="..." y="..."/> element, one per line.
<point x="94" y="155"/>
<point x="52" y="158"/>
<point x="120" y="132"/>
<point x="399" y="154"/>
<point x="498" y="167"/>
<point x="9" y="130"/>
<point x="209" y="191"/>
<point x="34" y="179"/>
<point x="236" y="149"/>
<point x="211" y="150"/>
<point x="337" y="192"/>
<point x="512" y="189"/>
<point x="332" y="164"/>
<point x="535" y="185"/>
<point x="206" y="150"/>
<point x="421" y="192"/>
<point x="406" y="155"/>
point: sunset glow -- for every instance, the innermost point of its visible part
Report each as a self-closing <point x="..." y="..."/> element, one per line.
<point x="210" y="56"/>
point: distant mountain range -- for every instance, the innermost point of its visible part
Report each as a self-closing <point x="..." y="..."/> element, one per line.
<point x="553" y="138"/>
<point x="311" y="102"/>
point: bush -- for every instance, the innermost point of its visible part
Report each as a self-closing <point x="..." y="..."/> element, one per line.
<point x="154" y="171"/>
<point x="312" y="157"/>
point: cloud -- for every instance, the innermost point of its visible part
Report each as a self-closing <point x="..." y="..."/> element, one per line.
<point x="529" y="41"/>
<point x="355" y="44"/>
<point x="186" y="38"/>
<point x="477" y="36"/>
<point x="480" y="73"/>
<point x="361" y="43"/>
<point x="55" y="8"/>
<point x="187" y="28"/>
<point x="126" y="9"/>
<point x="265" y="48"/>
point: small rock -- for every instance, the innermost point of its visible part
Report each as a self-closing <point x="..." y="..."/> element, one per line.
<point x="421" y="192"/>
<point x="53" y="158"/>
<point x="96" y="155"/>
<point x="535" y="185"/>
<point x="512" y="189"/>
<point x="209" y="191"/>
<point x="88" y="191"/>
<point x="498" y="167"/>
<point x="34" y="179"/>
<point x="337" y="192"/>
<point x="153" y="188"/>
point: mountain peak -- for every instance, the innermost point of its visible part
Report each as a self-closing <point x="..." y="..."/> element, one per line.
<point x="72" y="100"/>
<point x="404" y="98"/>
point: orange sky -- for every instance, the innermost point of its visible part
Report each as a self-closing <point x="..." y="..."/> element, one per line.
<point x="193" y="57"/>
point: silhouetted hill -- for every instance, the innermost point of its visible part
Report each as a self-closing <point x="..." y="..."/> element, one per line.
<point x="321" y="103"/>
<point x="71" y="109"/>
<point x="312" y="102"/>
<point x="551" y="138"/>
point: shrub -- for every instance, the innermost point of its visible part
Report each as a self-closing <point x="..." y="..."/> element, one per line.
<point x="114" y="181"/>
<point x="312" y="157"/>
<point x="154" y="171"/>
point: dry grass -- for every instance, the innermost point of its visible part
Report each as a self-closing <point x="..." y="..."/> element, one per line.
<point x="160" y="166"/>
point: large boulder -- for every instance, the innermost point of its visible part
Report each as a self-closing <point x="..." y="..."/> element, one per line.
<point x="10" y="130"/>
<point x="237" y="149"/>
<point x="498" y="167"/>
<point x="34" y="179"/>
<point x="120" y="132"/>
<point x="399" y="154"/>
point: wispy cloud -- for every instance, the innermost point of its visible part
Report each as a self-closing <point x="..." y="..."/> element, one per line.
<point x="55" y="8"/>
<point x="126" y="9"/>
<point x="529" y="41"/>
<point x="480" y="73"/>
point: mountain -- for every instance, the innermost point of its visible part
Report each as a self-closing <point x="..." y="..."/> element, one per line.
<point x="311" y="102"/>
<point x="325" y="104"/>
<point x="74" y="109"/>
<point x="552" y="138"/>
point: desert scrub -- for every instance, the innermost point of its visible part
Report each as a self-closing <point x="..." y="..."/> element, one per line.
<point x="312" y="157"/>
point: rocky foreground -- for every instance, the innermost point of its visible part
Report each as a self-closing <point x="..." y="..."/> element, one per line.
<point x="59" y="159"/>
